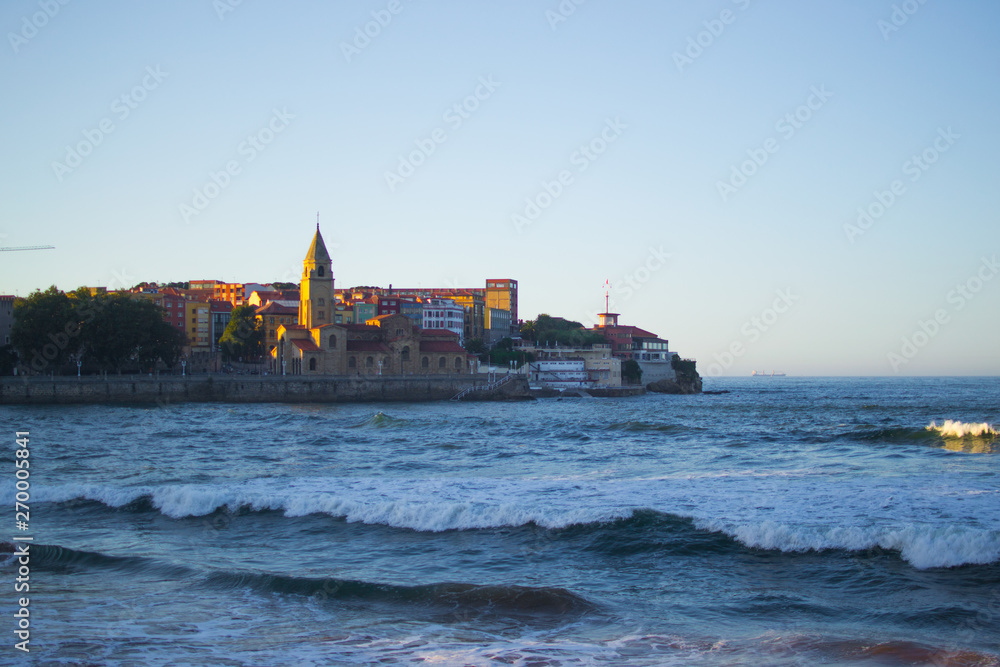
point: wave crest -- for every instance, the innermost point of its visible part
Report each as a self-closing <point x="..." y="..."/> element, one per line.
<point x="957" y="429"/>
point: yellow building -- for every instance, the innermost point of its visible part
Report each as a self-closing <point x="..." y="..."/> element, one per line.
<point x="501" y="293"/>
<point x="272" y="316"/>
<point x="385" y="345"/>
<point x="196" y="326"/>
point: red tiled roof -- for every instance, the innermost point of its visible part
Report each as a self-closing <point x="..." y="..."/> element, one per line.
<point x="362" y="328"/>
<point x="445" y="346"/>
<point x="622" y="329"/>
<point x="305" y="344"/>
<point x="367" y="346"/>
<point x="439" y="333"/>
<point x="273" y="308"/>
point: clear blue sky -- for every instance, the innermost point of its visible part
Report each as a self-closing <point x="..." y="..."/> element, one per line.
<point x="674" y="129"/>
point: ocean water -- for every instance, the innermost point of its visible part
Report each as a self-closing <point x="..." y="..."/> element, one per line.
<point x="792" y="521"/>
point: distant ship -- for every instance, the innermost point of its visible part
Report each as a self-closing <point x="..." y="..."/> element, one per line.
<point x="772" y="374"/>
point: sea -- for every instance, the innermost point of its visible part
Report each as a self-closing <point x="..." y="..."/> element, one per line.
<point x="790" y="521"/>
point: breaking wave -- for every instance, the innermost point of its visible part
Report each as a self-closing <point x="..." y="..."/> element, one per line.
<point x="801" y="515"/>
<point x="957" y="429"/>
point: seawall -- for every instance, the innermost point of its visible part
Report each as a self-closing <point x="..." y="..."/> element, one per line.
<point x="250" y="389"/>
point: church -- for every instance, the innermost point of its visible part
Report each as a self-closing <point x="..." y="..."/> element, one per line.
<point x="384" y="345"/>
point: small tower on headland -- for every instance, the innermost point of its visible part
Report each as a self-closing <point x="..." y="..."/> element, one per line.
<point x="607" y="319"/>
<point x="316" y="289"/>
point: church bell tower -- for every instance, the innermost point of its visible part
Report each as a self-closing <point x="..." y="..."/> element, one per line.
<point x="316" y="289"/>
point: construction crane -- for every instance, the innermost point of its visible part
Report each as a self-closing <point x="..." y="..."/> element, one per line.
<point x="29" y="247"/>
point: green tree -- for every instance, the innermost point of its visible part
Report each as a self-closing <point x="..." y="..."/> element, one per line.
<point x="548" y="330"/>
<point x="46" y="331"/>
<point x="119" y="330"/>
<point x="631" y="371"/>
<point x="8" y="359"/>
<point x="475" y="346"/>
<point x="159" y="341"/>
<point x="244" y="335"/>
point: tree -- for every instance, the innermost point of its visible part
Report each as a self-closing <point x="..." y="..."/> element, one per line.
<point x="475" y="346"/>
<point x="244" y="335"/>
<point x="548" y="330"/>
<point x="8" y="359"/>
<point x="503" y="353"/>
<point x="46" y="330"/>
<point x="160" y="341"/>
<point x="631" y="371"/>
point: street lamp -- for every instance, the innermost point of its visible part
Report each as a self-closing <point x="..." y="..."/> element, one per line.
<point x="183" y="367"/>
<point x="380" y="367"/>
<point x="78" y="364"/>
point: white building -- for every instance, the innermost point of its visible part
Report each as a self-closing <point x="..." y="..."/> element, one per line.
<point x="556" y="366"/>
<point x="444" y="314"/>
<point x="497" y="325"/>
<point x="559" y="374"/>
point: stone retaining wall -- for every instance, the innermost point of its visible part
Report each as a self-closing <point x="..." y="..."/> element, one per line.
<point x="250" y="389"/>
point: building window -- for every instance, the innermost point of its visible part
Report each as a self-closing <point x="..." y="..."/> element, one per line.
<point x="405" y="355"/>
<point x="458" y="363"/>
<point x="425" y="363"/>
<point x="312" y="363"/>
<point x="442" y="363"/>
<point x="333" y="342"/>
<point x="320" y="270"/>
<point x="322" y="302"/>
<point x="352" y="362"/>
<point x="369" y="362"/>
<point x="320" y="314"/>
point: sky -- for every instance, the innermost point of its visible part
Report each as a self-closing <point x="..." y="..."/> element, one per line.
<point x="809" y="188"/>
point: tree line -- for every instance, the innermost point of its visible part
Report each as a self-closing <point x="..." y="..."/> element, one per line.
<point x="107" y="332"/>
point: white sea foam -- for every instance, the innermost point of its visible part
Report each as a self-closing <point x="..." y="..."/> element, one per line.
<point x="930" y="521"/>
<point x="957" y="429"/>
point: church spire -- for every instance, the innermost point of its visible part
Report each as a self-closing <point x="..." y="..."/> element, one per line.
<point x="317" y="250"/>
